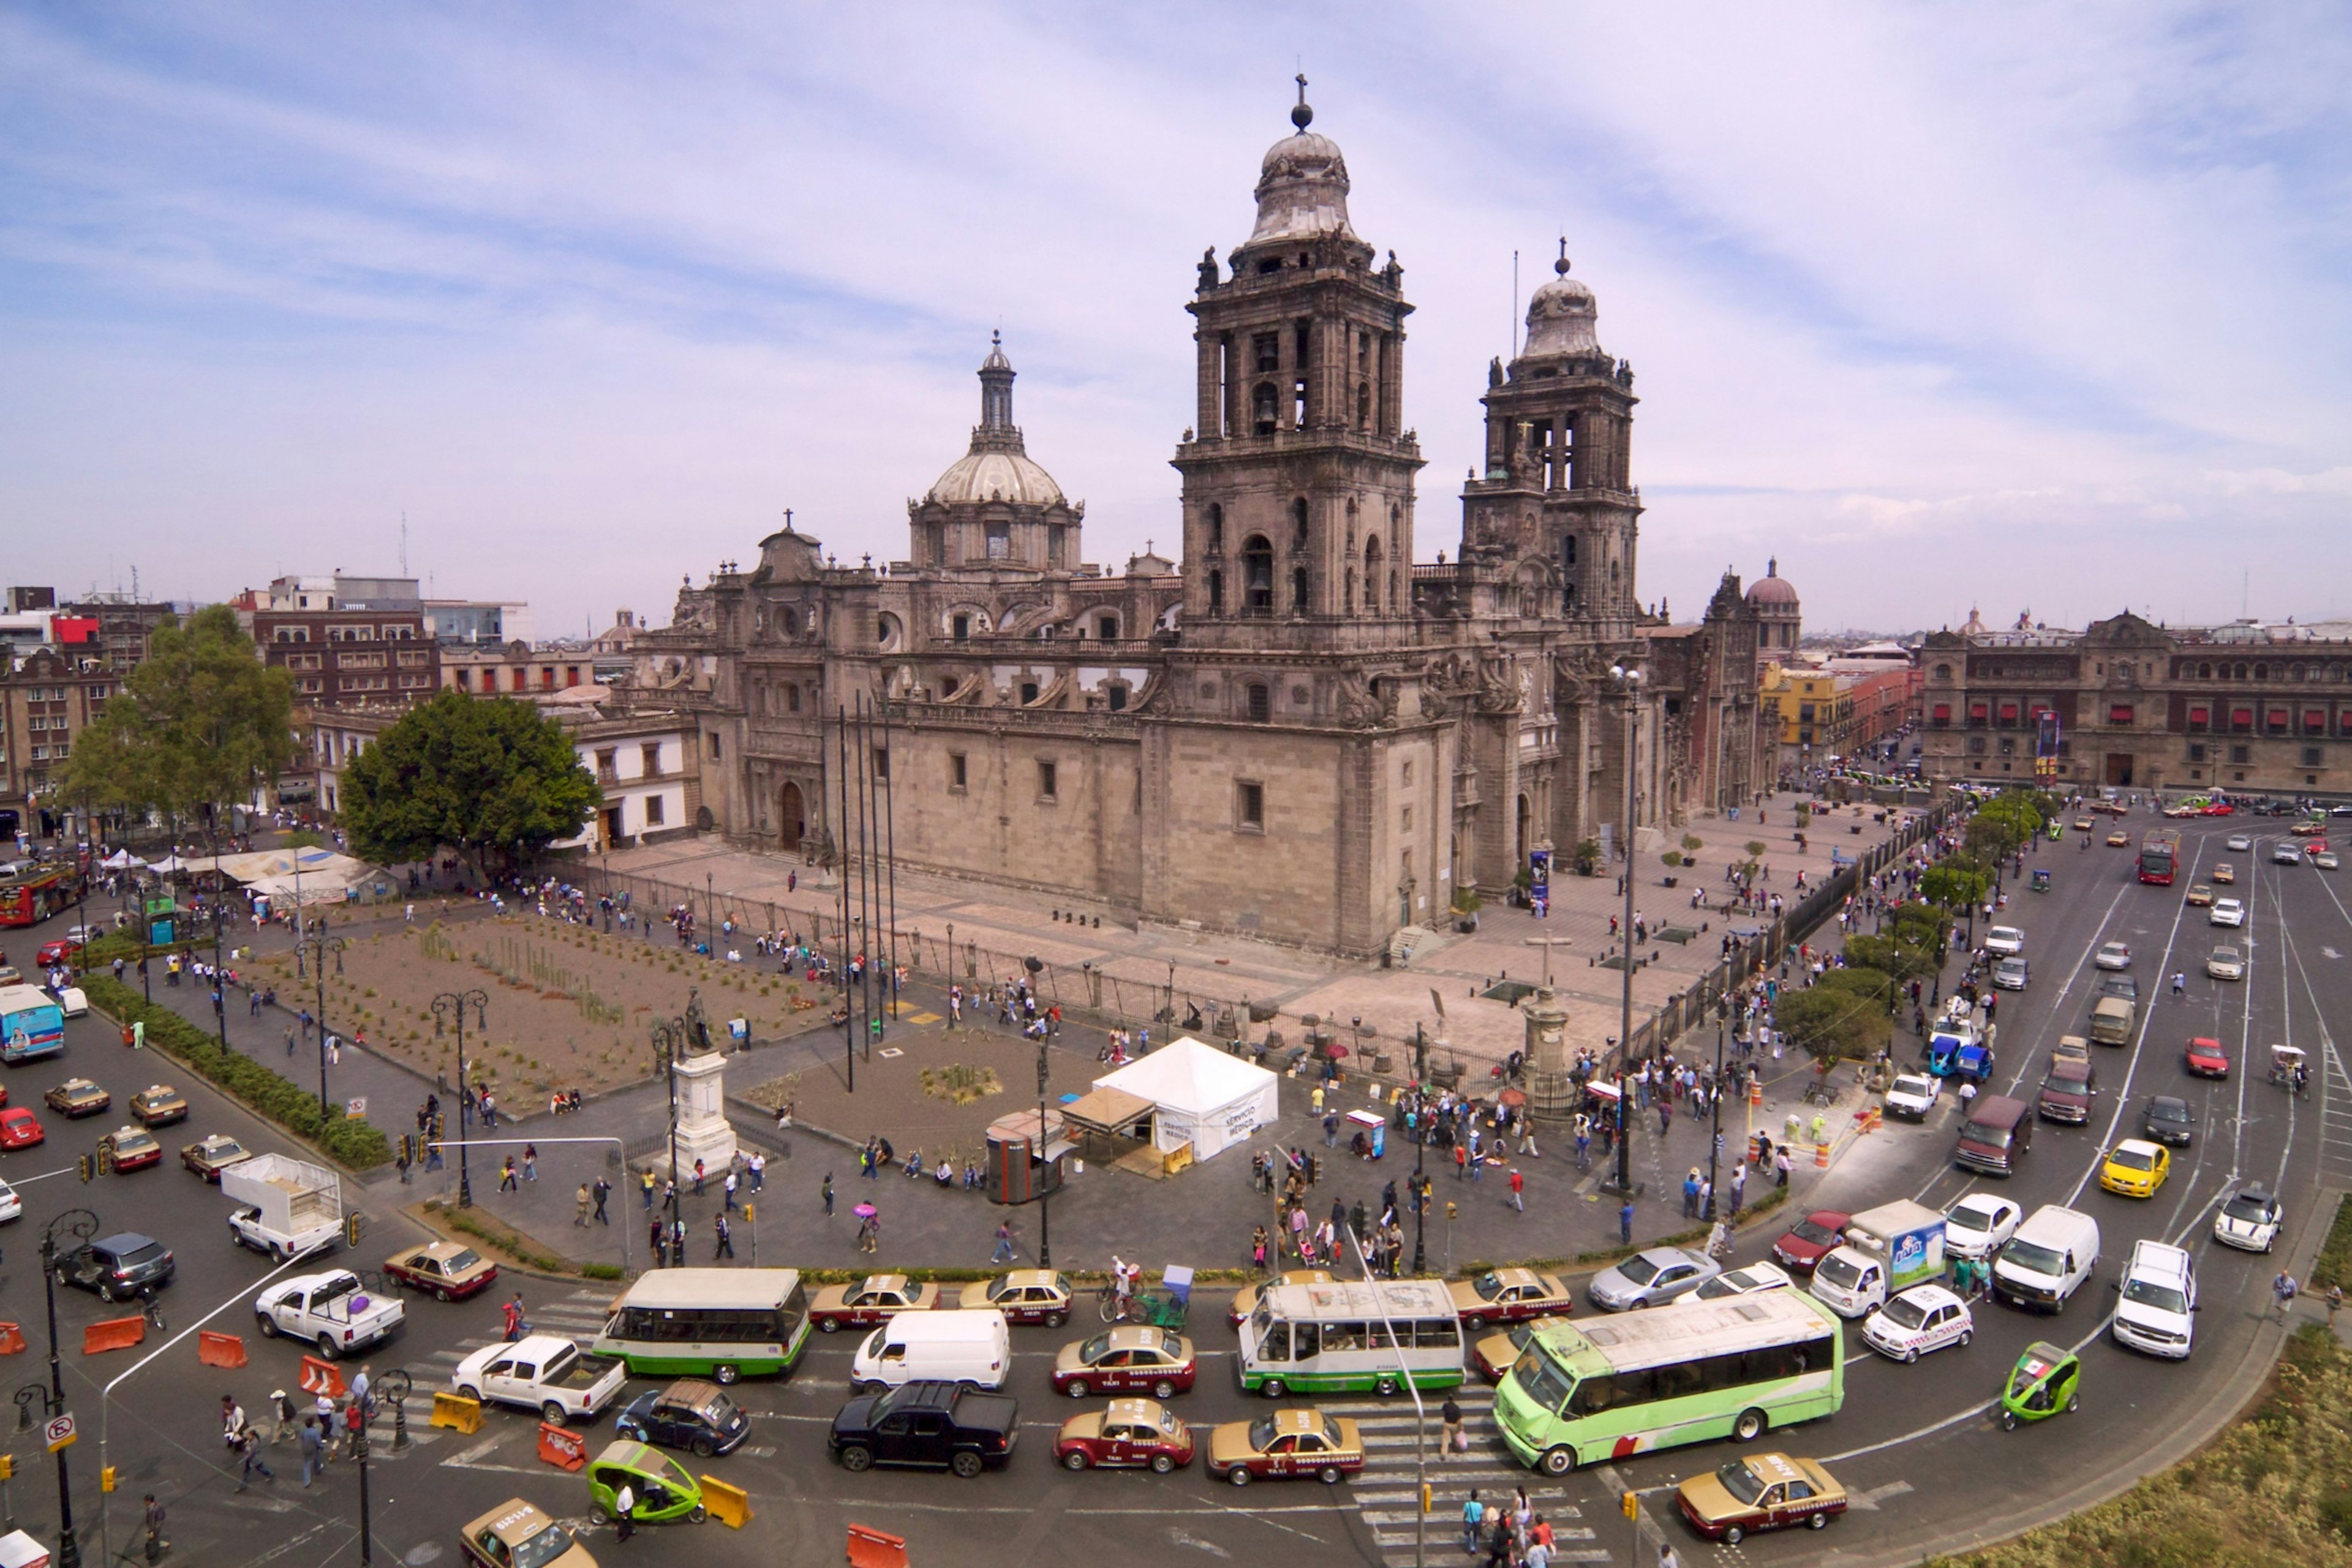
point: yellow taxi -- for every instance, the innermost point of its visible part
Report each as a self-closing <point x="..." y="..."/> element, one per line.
<point x="159" y="1105"/>
<point x="2224" y="873"/>
<point x="1300" y="1441"/>
<point x="2118" y="840"/>
<point x="1245" y="1299"/>
<point x="2200" y="896"/>
<point x="449" y="1270"/>
<point x="1024" y="1296"/>
<point x="1508" y="1296"/>
<point x="1126" y="1434"/>
<point x="2135" y="1168"/>
<point x="515" y="1534"/>
<point x="129" y="1148"/>
<point x="77" y="1097"/>
<point x="1762" y="1491"/>
<point x="876" y="1298"/>
<point x="2082" y="825"/>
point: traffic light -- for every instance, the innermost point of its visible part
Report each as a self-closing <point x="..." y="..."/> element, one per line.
<point x="1633" y="1505"/>
<point x="86" y="1166"/>
<point x="1450" y="1210"/>
<point x="354" y="1226"/>
<point x="8" y="1467"/>
<point x="105" y="1479"/>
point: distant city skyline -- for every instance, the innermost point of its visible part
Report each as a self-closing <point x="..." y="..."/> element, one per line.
<point x="1942" y="307"/>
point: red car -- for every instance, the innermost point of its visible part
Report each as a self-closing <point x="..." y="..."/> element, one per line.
<point x="1811" y="1239"/>
<point x="1131" y="1358"/>
<point x="1128" y="1434"/>
<point x="20" y="1129"/>
<point x="52" y="953"/>
<point x="2207" y="1058"/>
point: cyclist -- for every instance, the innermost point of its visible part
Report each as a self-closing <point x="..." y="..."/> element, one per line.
<point x="1123" y="1275"/>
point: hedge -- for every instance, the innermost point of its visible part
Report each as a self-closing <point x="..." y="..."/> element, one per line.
<point x="357" y="1145"/>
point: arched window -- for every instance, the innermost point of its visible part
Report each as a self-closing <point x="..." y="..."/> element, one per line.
<point x="2204" y="672"/>
<point x="2262" y="672"/>
<point x="1259" y="702"/>
<point x="1568" y="552"/>
<point x="1363" y="406"/>
<point x="1262" y="419"/>
<point x="1216" y="526"/>
<point x="1371" y="572"/>
<point x="1298" y="590"/>
<point x="1298" y="523"/>
<point x="1216" y="592"/>
<point x="1394" y="603"/>
<point x="1257" y="576"/>
<point x="2240" y="674"/>
<point x="1347" y="594"/>
<point x="1568" y="599"/>
<point x="1943" y="672"/>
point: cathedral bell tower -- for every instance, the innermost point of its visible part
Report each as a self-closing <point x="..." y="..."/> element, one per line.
<point x="1298" y="472"/>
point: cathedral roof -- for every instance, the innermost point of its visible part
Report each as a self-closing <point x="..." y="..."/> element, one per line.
<point x="1562" y="316"/>
<point x="1773" y="588"/>
<point x="1302" y="184"/>
<point x="995" y="476"/>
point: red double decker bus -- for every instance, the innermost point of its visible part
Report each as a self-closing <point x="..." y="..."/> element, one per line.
<point x="35" y="896"/>
<point x="2159" y="853"/>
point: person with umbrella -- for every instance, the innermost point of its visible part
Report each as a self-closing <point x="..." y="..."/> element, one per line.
<point x="869" y="1227"/>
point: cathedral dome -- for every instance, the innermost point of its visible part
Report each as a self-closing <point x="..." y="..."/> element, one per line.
<point x="1562" y="317"/>
<point x="995" y="476"/>
<point x="1302" y="184"/>
<point x="1773" y="589"/>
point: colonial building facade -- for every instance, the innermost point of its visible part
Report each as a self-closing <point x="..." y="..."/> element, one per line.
<point x="1293" y="730"/>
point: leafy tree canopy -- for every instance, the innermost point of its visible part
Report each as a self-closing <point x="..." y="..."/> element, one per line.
<point x="1953" y="885"/>
<point x="490" y="778"/>
<point x="1830" y="1022"/>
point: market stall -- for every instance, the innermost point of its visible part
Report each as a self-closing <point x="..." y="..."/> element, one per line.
<point x="1199" y="1096"/>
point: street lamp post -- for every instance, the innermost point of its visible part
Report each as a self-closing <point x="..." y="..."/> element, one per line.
<point x="1629" y="681"/>
<point x="1714" y="1147"/>
<point x="81" y="1224"/>
<point x="220" y="983"/>
<point x="1045" y="1168"/>
<point x="672" y="1038"/>
<point x="315" y="945"/>
<point x="1420" y="1152"/>
<point x="450" y="1007"/>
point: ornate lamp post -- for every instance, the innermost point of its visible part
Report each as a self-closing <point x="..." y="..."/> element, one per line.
<point x="1045" y="1193"/>
<point x="78" y="1225"/>
<point x="1629" y="682"/>
<point x="449" y="1007"/>
<point x="673" y="1038"/>
<point x="315" y="945"/>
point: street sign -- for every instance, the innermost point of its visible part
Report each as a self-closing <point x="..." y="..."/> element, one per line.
<point x="60" y="1432"/>
<point x="356" y="1107"/>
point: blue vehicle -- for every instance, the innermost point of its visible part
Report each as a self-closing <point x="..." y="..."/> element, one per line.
<point x="31" y="1024"/>
<point x="1973" y="1062"/>
<point x="1950" y="1037"/>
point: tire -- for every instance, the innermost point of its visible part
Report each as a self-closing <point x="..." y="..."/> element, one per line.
<point x="1163" y="1389"/>
<point x="725" y="1373"/>
<point x="856" y="1457"/>
<point x="1329" y="1475"/>
<point x="1965" y="1335"/>
<point x="106" y="1291"/>
<point x="599" y="1513"/>
<point x="829" y="1326"/>
<point x="266" y="1325"/>
<point x="441" y="1293"/>
<point x="700" y="1513"/>
<point x="2009" y="1421"/>
<point x="1076" y="1388"/>
<point x="470" y="1392"/>
<point x="702" y="1447"/>
<point x="1076" y="1460"/>
<point x="965" y="1464"/>
<point x="553" y="1413"/>
<point x="1557" y="1461"/>
<point x="1910" y="1355"/>
<point x="1733" y="1535"/>
<point x="2073" y="1402"/>
<point x="1273" y="1388"/>
<point x="1474" y="1323"/>
<point x="1385" y="1387"/>
<point x="1055" y="1320"/>
<point x="1239" y="1475"/>
<point x="1161" y="1464"/>
<point x="1748" y="1426"/>
<point x="1817" y="1522"/>
<point x="327" y="1349"/>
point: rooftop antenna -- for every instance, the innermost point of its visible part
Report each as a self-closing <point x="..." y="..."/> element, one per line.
<point x="1515" y="302"/>
<point x="403" y="544"/>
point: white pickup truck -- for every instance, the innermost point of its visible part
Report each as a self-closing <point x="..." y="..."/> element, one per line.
<point x="544" y="1372"/>
<point x="331" y="1310"/>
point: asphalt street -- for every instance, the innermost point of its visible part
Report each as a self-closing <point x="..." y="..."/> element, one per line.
<point x="1917" y="1445"/>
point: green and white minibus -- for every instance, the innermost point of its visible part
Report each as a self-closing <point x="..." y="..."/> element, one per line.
<point x="719" y="1324"/>
<point x="1604" y="1388"/>
<point x="1320" y="1339"/>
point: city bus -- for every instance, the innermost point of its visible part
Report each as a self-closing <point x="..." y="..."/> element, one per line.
<point x="31" y="1024"/>
<point x="719" y="1324"/>
<point x="34" y="896"/>
<point x="1325" y="1338"/>
<point x="2159" y="852"/>
<point x="1582" y="1393"/>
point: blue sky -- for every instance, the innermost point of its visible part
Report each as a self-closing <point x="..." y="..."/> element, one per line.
<point x="2018" y="306"/>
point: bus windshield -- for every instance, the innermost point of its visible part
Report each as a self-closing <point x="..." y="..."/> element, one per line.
<point x="1541" y="1379"/>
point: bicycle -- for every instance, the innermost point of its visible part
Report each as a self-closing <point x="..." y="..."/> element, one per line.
<point x="1112" y="1304"/>
<point x="152" y="1310"/>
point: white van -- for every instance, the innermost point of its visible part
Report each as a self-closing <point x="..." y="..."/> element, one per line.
<point x="973" y="1348"/>
<point x="2157" y="1298"/>
<point x="2052" y="1252"/>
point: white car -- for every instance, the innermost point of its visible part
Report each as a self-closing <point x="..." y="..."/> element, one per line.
<point x="71" y="1002"/>
<point x="2115" y="955"/>
<point x="2006" y="940"/>
<point x="11" y="1206"/>
<point x="1744" y="1282"/>
<point x="2227" y="912"/>
<point x="1979" y="1225"/>
<point x="1924" y="1318"/>
<point x="1913" y="1095"/>
<point x="2286" y="853"/>
<point x="2324" y="860"/>
<point x="2156" y="1301"/>
<point x="2227" y="963"/>
<point x="2250" y="1221"/>
<point x="2240" y="841"/>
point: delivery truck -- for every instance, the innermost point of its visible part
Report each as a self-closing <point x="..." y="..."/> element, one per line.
<point x="285" y="1206"/>
<point x="1886" y="1249"/>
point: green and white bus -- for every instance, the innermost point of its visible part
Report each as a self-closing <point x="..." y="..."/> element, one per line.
<point x="719" y="1324"/>
<point x="1322" y="1339"/>
<point x="1605" y="1388"/>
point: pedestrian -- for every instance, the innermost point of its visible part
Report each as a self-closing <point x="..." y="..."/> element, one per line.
<point x="354" y="1424"/>
<point x="313" y="1450"/>
<point x="1473" y="1514"/>
<point x="647" y="1187"/>
<point x="2334" y="1302"/>
<point x="247" y="1446"/>
<point x="512" y="1312"/>
<point x="1450" y="1414"/>
<point x="759" y="1171"/>
<point x="1625" y="1224"/>
<point x="1258" y="1248"/>
<point x="290" y="1039"/>
<point x="697" y="1178"/>
<point x="1519" y="1185"/>
<point x="1005" y="1250"/>
<point x="726" y="1239"/>
<point x="232" y="1419"/>
<point x="1781" y="1166"/>
<point x="507" y="1177"/>
<point x="827" y="1194"/>
<point x="531" y="1162"/>
<point x="729" y="1202"/>
<point x="2179" y="981"/>
<point x="1666" y="1557"/>
<point x="1739" y="1188"/>
<point x="2285" y="1288"/>
<point x="363" y="1388"/>
<point x="1330" y="1128"/>
<point x="625" y="1508"/>
<point x="603" y="1190"/>
<point x="1690" y="1194"/>
<point x="657" y="1239"/>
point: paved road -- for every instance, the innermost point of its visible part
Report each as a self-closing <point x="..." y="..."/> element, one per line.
<point x="1913" y="1441"/>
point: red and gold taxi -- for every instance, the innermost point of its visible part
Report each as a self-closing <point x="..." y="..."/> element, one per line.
<point x="515" y="1534"/>
<point x="1301" y="1441"/>
<point x="210" y="1155"/>
<point x="2225" y="873"/>
<point x="131" y="1149"/>
<point x="20" y="1129"/>
<point x="449" y="1270"/>
<point x="1245" y="1299"/>
<point x="876" y="1298"/>
<point x="2207" y="1058"/>
<point x="1128" y="1434"/>
<point x="1508" y="1296"/>
<point x="1129" y="1358"/>
<point x="159" y="1105"/>
<point x="1495" y="1354"/>
<point x="1762" y="1491"/>
<point x="77" y="1097"/>
<point x="1037" y="1296"/>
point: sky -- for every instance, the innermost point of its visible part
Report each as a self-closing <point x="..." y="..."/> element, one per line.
<point x="2031" y="307"/>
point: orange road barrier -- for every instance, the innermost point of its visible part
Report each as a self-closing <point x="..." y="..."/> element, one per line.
<point x="219" y="1350"/>
<point x="871" y="1548"/>
<point x="1821" y="1156"/>
<point x="457" y="1412"/>
<point x="114" y="1334"/>
<point x="1755" y="1092"/>
<point x="731" y="1505"/>
<point x="321" y="1377"/>
<point x="565" y="1450"/>
<point x="12" y="1340"/>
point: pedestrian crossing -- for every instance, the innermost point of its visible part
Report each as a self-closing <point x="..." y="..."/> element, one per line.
<point x="578" y="1316"/>
<point x="1387" y="1491"/>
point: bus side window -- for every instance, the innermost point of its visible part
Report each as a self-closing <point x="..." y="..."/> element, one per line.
<point x="1305" y="1340"/>
<point x="1376" y="1337"/>
<point x="1632" y="1388"/>
<point x="1274" y="1345"/>
<point x="1681" y="1378"/>
<point x="1722" y="1372"/>
<point x="1593" y="1397"/>
<point x="1438" y="1333"/>
<point x="1343" y="1336"/>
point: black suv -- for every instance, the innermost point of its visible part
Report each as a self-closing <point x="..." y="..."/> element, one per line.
<point x="124" y="1264"/>
<point x="932" y="1425"/>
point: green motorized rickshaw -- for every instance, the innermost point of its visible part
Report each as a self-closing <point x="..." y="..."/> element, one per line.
<point x="2045" y="1381"/>
<point x="2041" y="881"/>
<point x="660" y="1487"/>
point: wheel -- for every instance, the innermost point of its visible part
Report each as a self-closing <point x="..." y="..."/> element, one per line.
<point x="2008" y="1420"/>
<point x="829" y="1326"/>
<point x="2073" y="1402"/>
<point x="1239" y="1475"/>
<point x="1076" y="1389"/>
<point x="441" y="1293"/>
<point x="106" y="1291"/>
<point x="1749" y="1427"/>
<point x="1475" y="1322"/>
<point x="1637" y="1303"/>
<point x="1076" y="1460"/>
<point x="1328" y="1474"/>
<point x="700" y="1513"/>
<point x="1559" y="1461"/>
<point x="966" y="1463"/>
<point x="1965" y="1335"/>
<point x="1734" y="1536"/>
<point x="1163" y="1389"/>
<point x="1055" y="1320"/>
<point x="1161" y="1464"/>
<point x="856" y="1457"/>
<point x="552" y="1413"/>
<point x="266" y="1325"/>
<point x="1385" y="1387"/>
<point x="1273" y="1388"/>
<point x="471" y="1392"/>
<point x="1817" y="1522"/>
<point x="327" y="1349"/>
<point x="1910" y="1354"/>
<point x="599" y="1513"/>
<point x="726" y="1374"/>
<point x="702" y="1447"/>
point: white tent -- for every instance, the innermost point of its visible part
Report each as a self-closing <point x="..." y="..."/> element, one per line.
<point x="122" y="860"/>
<point x="1199" y="1096"/>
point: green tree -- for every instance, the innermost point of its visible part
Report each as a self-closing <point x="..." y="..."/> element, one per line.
<point x="1828" y="1022"/>
<point x="1890" y="954"/>
<point x="1955" y="884"/>
<point x="200" y="726"/>
<point x="487" y="778"/>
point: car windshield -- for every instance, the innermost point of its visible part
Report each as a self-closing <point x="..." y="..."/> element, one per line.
<point x="1908" y="1084"/>
<point x="459" y="1261"/>
<point x="2252" y="1211"/>
<point x="1541" y="1379"/>
<point x="1172" y="1344"/>
<point x="1962" y="1218"/>
<point x="1905" y="1313"/>
<point x="542" y="1548"/>
<point x="1092" y="1351"/>
<point x="1487" y="1286"/>
<point x="1741" y="1482"/>
<point x="2034" y="1257"/>
<point x="2132" y="1160"/>
<point x="1261" y="1433"/>
<point x="1841" y="1272"/>
<point x="1812" y="1230"/>
<point x="2164" y="1297"/>
<point x="2163" y="1111"/>
<point x="1638" y="1269"/>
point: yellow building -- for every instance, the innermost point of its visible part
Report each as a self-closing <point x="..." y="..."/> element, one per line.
<point x="1808" y="714"/>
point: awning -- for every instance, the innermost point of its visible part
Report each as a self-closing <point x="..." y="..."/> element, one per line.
<point x="1107" y="1110"/>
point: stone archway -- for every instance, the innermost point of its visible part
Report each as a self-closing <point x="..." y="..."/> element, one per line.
<point x="791" y="822"/>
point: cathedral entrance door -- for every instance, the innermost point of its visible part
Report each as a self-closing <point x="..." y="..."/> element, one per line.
<point x="791" y="820"/>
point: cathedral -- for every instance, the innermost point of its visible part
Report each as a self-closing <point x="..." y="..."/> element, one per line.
<point x="1299" y="729"/>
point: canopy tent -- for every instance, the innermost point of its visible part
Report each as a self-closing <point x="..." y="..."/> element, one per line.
<point x="1109" y="1111"/>
<point x="1199" y="1095"/>
<point x="122" y="860"/>
<point x="169" y="866"/>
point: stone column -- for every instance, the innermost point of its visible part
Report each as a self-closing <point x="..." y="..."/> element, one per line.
<point x="703" y="1132"/>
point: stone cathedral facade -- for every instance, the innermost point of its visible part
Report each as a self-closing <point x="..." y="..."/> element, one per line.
<point x="1299" y="729"/>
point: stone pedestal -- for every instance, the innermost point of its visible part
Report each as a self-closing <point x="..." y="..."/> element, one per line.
<point x="703" y="1132"/>
<point x="1552" y="1093"/>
